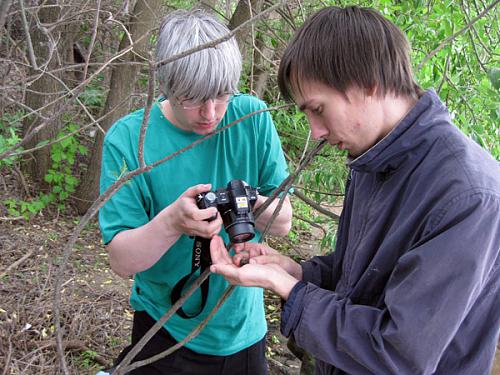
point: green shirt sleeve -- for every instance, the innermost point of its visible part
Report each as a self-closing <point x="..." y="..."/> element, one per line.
<point x="127" y="208"/>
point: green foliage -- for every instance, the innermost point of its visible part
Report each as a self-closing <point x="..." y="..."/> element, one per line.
<point x="325" y="175"/>
<point x="87" y="359"/>
<point x="9" y="129"/>
<point x="63" y="155"/>
<point x="93" y="95"/>
<point x="59" y="177"/>
<point x="465" y="72"/>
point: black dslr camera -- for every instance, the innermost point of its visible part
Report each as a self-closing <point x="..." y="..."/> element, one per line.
<point x="235" y="204"/>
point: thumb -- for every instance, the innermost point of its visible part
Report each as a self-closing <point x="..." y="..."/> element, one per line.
<point x="218" y="251"/>
<point x="226" y="270"/>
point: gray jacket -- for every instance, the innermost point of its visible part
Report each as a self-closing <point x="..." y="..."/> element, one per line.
<point x="413" y="286"/>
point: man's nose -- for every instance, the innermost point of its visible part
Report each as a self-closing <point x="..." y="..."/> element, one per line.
<point x="317" y="131"/>
<point x="207" y="110"/>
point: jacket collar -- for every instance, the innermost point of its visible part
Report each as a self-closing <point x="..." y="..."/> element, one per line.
<point x="407" y="137"/>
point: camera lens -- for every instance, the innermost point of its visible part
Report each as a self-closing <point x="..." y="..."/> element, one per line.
<point x="242" y="237"/>
<point x="240" y="232"/>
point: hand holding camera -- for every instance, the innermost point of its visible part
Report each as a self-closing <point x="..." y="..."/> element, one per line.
<point x="187" y="218"/>
<point x="235" y="204"/>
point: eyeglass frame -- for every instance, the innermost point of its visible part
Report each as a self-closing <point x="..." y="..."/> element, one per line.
<point x="216" y="101"/>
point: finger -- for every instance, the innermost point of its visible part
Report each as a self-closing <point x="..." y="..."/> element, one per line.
<point x="256" y="249"/>
<point x="218" y="251"/>
<point x="239" y="247"/>
<point x="230" y="272"/>
<point x="193" y="191"/>
<point x="214" y="227"/>
<point x="265" y="259"/>
<point x="204" y="214"/>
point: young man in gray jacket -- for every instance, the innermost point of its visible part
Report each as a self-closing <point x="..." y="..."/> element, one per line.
<point x="413" y="284"/>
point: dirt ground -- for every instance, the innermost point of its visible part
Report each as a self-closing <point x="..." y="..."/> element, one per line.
<point x="96" y="316"/>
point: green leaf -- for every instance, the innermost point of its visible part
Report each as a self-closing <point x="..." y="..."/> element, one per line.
<point x="494" y="76"/>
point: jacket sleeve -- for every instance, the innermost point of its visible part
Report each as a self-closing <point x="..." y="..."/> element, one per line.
<point x="318" y="270"/>
<point x="430" y="292"/>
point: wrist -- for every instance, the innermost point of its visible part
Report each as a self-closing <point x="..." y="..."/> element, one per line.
<point x="283" y="285"/>
<point x="164" y="223"/>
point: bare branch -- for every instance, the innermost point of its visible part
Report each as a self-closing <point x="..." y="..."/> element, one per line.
<point x="147" y="112"/>
<point x="16" y="263"/>
<point x="228" y="36"/>
<point x="72" y="95"/>
<point x="4" y="9"/>
<point x="189" y="337"/>
<point x="99" y="202"/>
<point x="31" y="52"/>
<point x="458" y="33"/>
<point x="92" y="40"/>
<point x="315" y="205"/>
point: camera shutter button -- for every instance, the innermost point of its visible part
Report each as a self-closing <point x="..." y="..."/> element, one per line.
<point x="210" y="197"/>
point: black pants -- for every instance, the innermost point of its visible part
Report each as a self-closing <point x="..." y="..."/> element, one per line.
<point x="183" y="361"/>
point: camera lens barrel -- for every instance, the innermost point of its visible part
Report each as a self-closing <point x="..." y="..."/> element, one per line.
<point x="235" y="204"/>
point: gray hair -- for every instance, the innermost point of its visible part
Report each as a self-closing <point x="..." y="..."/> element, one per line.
<point x="204" y="74"/>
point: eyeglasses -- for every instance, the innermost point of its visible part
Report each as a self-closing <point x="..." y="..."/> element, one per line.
<point x="192" y="104"/>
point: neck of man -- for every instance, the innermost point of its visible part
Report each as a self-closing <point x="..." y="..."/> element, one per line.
<point x="393" y="110"/>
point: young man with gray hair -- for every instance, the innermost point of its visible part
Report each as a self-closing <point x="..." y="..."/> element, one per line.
<point x="148" y="224"/>
<point x="413" y="286"/>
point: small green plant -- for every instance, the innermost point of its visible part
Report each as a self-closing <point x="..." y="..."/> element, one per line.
<point x="87" y="359"/>
<point x="59" y="177"/>
<point x="9" y="135"/>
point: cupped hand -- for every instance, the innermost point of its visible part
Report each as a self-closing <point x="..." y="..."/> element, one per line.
<point x="185" y="217"/>
<point x="265" y="275"/>
<point x="258" y="253"/>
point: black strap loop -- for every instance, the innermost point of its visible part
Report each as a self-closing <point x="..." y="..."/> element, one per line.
<point x="200" y="261"/>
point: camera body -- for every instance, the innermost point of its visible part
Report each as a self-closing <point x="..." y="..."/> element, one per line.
<point x="235" y="204"/>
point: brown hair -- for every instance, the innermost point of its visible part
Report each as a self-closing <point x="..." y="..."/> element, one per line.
<point x="342" y="47"/>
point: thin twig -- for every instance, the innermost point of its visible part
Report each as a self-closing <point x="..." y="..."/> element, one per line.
<point x="315" y="205"/>
<point x="147" y="112"/>
<point x="99" y="202"/>
<point x="16" y="263"/>
<point x="72" y="94"/>
<point x="455" y="35"/>
<point x="79" y="130"/>
<point x="224" y="38"/>
<point x="92" y="40"/>
<point x="31" y="52"/>
<point x="189" y="337"/>
<point x="159" y="324"/>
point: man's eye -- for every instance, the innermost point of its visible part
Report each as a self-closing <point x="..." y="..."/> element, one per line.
<point x="317" y="110"/>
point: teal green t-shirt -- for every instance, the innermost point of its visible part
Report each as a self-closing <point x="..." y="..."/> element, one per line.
<point x="250" y="151"/>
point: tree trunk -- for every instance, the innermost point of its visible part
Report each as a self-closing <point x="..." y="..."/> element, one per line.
<point x="208" y="5"/>
<point x="123" y="77"/>
<point x="243" y="13"/>
<point x="4" y="9"/>
<point x="42" y="91"/>
<point x="261" y="66"/>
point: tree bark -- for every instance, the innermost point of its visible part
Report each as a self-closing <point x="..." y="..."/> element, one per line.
<point x="208" y="5"/>
<point x="4" y="9"/>
<point x="243" y="13"/>
<point x="123" y="79"/>
<point x="261" y="66"/>
<point x="42" y="91"/>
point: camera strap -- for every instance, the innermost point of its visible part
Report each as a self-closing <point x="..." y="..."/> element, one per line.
<point x="200" y="261"/>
